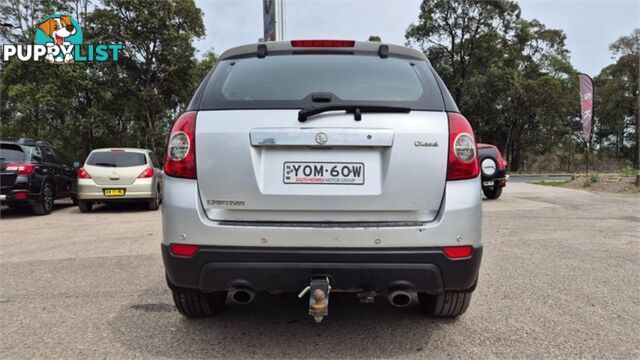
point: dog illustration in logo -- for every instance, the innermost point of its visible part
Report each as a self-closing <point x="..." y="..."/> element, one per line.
<point x="58" y="29"/>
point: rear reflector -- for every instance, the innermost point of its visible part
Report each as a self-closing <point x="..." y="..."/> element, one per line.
<point x="322" y="43"/>
<point x="20" y="195"/>
<point x="183" y="249"/>
<point x="146" y="173"/>
<point x="458" y="252"/>
<point x="21" y="169"/>
<point x="83" y="174"/>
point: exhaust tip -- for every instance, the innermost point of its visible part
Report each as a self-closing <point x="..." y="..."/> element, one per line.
<point x="242" y="296"/>
<point x="400" y="298"/>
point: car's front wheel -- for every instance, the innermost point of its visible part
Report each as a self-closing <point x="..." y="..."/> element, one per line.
<point x="194" y="303"/>
<point x="449" y="304"/>
<point x="85" y="206"/>
<point x="44" y="206"/>
<point x="493" y="193"/>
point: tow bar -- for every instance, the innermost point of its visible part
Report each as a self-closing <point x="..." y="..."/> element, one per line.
<point x="318" y="290"/>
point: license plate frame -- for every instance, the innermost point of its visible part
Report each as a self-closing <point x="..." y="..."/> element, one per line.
<point x="299" y="176"/>
<point x="114" y="192"/>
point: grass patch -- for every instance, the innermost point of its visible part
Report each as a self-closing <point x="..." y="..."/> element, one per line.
<point x="550" y="183"/>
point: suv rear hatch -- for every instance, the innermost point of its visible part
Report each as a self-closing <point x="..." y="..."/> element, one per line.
<point x="257" y="163"/>
<point x="9" y="153"/>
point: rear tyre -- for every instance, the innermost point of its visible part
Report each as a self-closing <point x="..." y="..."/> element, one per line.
<point x="44" y="206"/>
<point x="154" y="204"/>
<point x="449" y="304"/>
<point x="85" y="206"/>
<point x="74" y="200"/>
<point x="492" y="193"/>
<point x="194" y="303"/>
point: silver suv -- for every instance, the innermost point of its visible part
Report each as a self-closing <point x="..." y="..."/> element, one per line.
<point x="313" y="166"/>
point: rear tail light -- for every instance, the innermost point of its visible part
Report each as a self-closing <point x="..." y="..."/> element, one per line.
<point x="458" y="252"/>
<point x="21" y="169"/>
<point x="322" y="43"/>
<point x="20" y="195"/>
<point x="83" y="174"/>
<point x="183" y="249"/>
<point x="463" y="158"/>
<point x="146" y="173"/>
<point x="181" y="147"/>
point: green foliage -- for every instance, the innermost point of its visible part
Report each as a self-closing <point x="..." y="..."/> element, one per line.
<point x="131" y="102"/>
<point x="551" y="183"/>
<point x="629" y="171"/>
<point x="375" y="38"/>
<point x="594" y="178"/>
<point x="509" y="76"/>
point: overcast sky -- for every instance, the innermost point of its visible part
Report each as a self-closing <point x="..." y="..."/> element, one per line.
<point x="590" y="25"/>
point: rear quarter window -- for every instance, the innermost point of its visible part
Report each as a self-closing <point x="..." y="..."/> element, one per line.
<point x="116" y="159"/>
<point x="11" y="153"/>
<point x="286" y="80"/>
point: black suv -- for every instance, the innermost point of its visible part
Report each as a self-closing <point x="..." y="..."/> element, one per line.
<point x="34" y="174"/>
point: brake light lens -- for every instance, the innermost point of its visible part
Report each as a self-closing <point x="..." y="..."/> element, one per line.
<point x="83" y="174"/>
<point x="20" y="195"/>
<point x="183" y="249"/>
<point x="181" y="151"/>
<point x="458" y="252"/>
<point x="21" y="169"/>
<point x="146" y="173"/>
<point x="322" y="43"/>
<point x="463" y="153"/>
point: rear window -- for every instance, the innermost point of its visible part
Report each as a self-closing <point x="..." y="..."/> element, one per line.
<point x="11" y="153"/>
<point x="487" y="151"/>
<point x="287" y="80"/>
<point x="116" y="159"/>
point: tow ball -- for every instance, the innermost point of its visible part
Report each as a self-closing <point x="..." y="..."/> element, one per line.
<point x="318" y="290"/>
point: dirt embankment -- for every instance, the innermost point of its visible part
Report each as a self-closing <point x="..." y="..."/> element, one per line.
<point x="604" y="183"/>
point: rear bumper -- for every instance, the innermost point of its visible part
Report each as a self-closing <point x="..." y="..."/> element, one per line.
<point x="140" y="189"/>
<point x="290" y="269"/>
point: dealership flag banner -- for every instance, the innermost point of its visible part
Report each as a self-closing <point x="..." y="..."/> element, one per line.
<point x="586" y="105"/>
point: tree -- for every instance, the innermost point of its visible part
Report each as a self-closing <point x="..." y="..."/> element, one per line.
<point x="375" y="38"/>
<point x="618" y="100"/>
<point x="511" y="77"/>
<point x="158" y="55"/>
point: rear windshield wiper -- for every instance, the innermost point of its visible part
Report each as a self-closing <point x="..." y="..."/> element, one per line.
<point x="357" y="110"/>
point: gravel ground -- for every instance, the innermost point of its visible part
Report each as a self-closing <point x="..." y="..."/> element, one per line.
<point x="559" y="279"/>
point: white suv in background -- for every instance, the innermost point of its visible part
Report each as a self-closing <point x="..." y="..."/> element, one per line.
<point x="311" y="166"/>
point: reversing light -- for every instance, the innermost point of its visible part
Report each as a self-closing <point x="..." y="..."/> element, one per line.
<point x="183" y="249"/>
<point x="322" y="43"/>
<point x="458" y="252"/>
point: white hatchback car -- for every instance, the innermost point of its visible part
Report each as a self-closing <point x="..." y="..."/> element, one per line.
<point x="122" y="174"/>
<point x="321" y="165"/>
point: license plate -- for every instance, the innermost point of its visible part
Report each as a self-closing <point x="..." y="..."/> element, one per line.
<point x="487" y="183"/>
<point x="323" y="173"/>
<point x="113" y="192"/>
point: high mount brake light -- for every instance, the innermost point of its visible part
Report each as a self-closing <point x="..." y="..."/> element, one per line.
<point x="83" y="174"/>
<point x="146" y="173"/>
<point x="181" y="147"/>
<point x="322" y="43"/>
<point x="20" y="168"/>
<point x="463" y="153"/>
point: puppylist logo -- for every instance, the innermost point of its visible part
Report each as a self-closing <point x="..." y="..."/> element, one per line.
<point x="59" y="40"/>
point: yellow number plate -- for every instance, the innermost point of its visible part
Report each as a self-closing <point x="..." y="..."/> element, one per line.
<point x="113" y="192"/>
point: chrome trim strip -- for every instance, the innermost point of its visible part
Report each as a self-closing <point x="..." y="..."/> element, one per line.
<point x="330" y="137"/>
